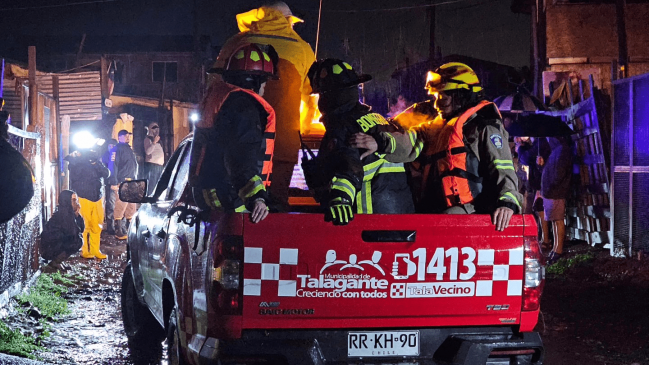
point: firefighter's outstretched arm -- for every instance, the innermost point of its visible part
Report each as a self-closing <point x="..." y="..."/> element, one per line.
<point x="398" y="146"/>
<point x="496" y="156"/>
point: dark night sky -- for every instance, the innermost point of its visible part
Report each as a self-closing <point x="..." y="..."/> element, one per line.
<point x="377" y="40"/>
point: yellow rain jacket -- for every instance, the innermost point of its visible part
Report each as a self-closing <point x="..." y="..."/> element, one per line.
<point x="290" y="96"/>
<point x="125" y="121"/>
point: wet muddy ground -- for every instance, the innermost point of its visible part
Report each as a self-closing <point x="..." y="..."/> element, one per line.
<point x="596" y="312"/>
<point x="93" y="332"/>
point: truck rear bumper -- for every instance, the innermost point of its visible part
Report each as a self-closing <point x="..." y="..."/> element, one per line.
<point x="492" y="346"/>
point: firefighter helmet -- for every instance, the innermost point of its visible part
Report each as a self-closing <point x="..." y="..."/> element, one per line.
<point x="251" y="59"/>
<point x="452" y="76"/>
<point x="333" y="74"/>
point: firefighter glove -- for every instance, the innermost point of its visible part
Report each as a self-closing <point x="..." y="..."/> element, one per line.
<point x="340" y="212"/>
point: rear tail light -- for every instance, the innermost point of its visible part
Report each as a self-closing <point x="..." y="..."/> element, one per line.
<point x="534" y="275"/>
<point x="226" y="275"/>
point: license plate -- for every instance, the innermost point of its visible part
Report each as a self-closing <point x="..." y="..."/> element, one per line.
<point x="383" y="343"/>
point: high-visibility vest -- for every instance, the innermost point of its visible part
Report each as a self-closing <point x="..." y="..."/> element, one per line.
<point x="460" y="183"/>
<point x="210" y="107"/>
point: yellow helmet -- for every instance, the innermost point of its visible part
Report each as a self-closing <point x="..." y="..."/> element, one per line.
<point x="452" y="76"/>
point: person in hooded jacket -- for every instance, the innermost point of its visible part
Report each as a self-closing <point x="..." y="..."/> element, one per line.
<point x="359" y="182"/>
<point x="17" y="183"/>
<point x="87" y="175"/>
<point x="273" y="25"/>
<point x="62" y="235"/>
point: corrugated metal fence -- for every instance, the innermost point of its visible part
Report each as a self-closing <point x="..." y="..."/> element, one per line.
<point x="79" y="94"/>
<point x="630" y="160"/>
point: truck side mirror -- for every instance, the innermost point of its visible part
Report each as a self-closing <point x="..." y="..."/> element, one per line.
<point x="133" y="191"/>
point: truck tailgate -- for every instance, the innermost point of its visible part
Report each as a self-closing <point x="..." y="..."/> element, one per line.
<point x="381" y="271"/>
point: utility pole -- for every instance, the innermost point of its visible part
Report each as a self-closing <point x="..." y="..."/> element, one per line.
<point x="536" y="73"/>
<point x="195" y="29"/>
<point x="2" y="78"/>
<point x="623" y="56"/>
<point x="432" y="57"/>
<point x="60" y="171"/>
<point x="80" y="50"/>
<point x="103" y="77"/>
<point x="33" y="91"/>
<point x="541" y="45"/>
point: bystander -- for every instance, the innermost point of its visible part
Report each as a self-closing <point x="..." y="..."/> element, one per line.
<point x="555" y="189"/>
<point x="62" y="235"/>
<point x="154" y="157"/>
<point x="109" y="206"/>
<point x="125" y="170"/>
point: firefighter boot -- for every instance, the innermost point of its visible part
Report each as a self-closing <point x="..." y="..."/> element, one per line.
<point x="94" y="238"/>
<point x="100" y="255"/>
<point x="119" y="229"/>
<point x="94" y="248"/>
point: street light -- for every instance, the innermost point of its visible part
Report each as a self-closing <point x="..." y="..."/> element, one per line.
<point x="194" y="117"/>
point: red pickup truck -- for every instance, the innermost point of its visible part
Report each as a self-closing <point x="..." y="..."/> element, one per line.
<point x="292" y="289"/>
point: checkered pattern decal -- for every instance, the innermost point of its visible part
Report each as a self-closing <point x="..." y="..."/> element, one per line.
<point x="484" y="288"/>
<point x="268" y="271"/>
<point x="398" y="290"/>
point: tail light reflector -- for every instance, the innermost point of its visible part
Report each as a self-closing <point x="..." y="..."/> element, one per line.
<point x="534" y="274"/>
<point x="227" y="275"/>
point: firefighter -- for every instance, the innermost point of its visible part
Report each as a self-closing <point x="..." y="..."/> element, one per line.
<point x="358" y="183"/>
<point x="273" y="25"/>
<point x="466" y="165"/>
<point x="233" y="143"/>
